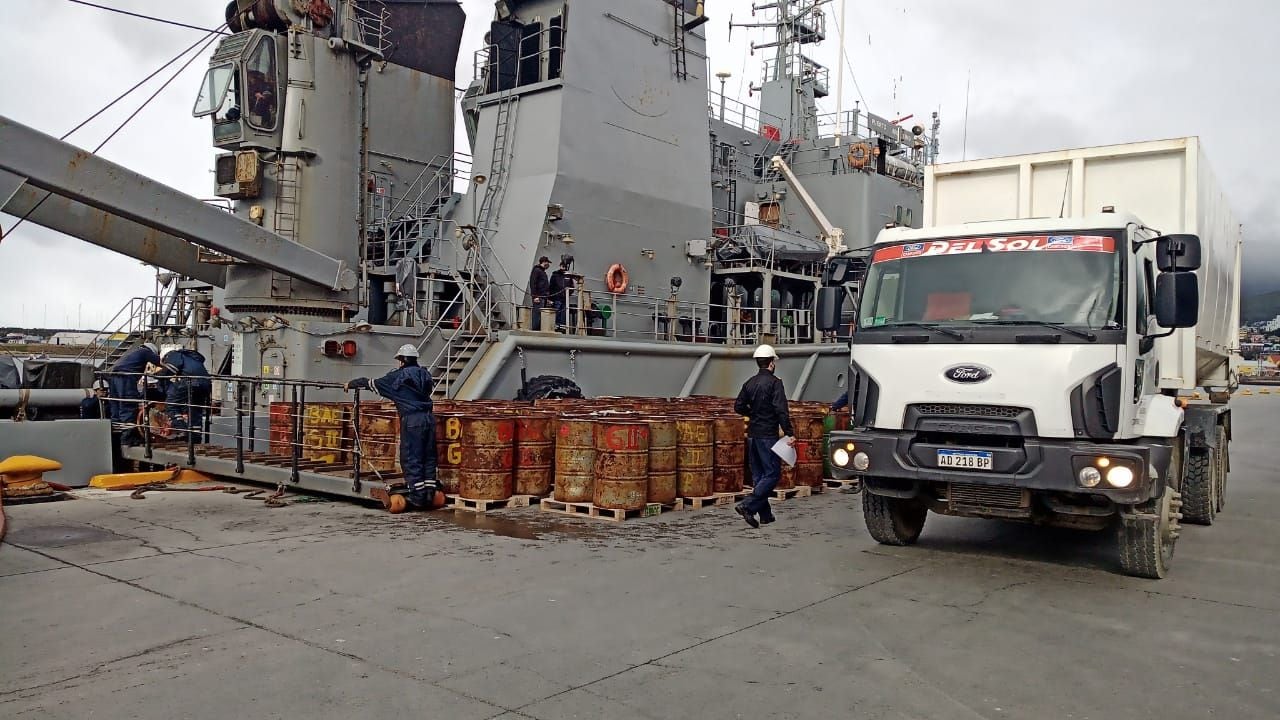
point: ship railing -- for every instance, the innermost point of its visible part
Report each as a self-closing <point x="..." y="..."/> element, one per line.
<point x="798" y="65"/>
<point x="412" y="210"/>
<point x="299" y="425"/>
<point x="858" y="125"/>
<point x="372" y="21"/>
<point x="538" y="57"/>
<point x="739" y="114"/>
<point x="599" y="313"/>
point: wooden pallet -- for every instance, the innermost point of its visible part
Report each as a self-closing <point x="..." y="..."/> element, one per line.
<point x="852" y="484"/>
<point x="586" y="509"/>
<point x="713" y="500"/>
<point x="457" y="502"/>
<point x="798" y="491"/>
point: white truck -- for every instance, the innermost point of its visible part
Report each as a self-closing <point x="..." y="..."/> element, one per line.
<point x="1030" y="354"/>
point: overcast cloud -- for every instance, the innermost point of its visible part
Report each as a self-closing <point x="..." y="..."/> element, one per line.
<point x="1044" y="75"/>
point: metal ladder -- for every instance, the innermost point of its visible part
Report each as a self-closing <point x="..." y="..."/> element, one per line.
<point x="490" y="205"/>
<point x="679" y="50"/>
<point x="285" y="222"/>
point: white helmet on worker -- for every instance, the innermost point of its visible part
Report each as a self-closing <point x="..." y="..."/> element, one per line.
<point x="764" y="351"/>
<point x="408" y="350"/>
<point x="152" y="347"/>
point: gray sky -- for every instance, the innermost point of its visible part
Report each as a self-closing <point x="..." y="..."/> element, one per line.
<point x="1044" y="75"/>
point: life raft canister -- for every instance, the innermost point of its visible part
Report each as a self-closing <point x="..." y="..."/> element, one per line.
<point x="616" y="279"/>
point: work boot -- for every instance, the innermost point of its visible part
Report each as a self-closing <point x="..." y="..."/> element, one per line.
<point x="746" y="515"/>
<point x="766" y="519"/>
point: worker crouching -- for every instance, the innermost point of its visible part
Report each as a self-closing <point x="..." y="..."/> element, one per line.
<point x="409" y="387"/>
<point x="188" y="390"/>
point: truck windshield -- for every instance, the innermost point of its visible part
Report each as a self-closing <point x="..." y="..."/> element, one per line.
<point x="1064" y="279"/>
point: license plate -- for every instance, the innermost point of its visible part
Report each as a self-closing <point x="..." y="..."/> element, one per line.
<point x="964" y="459"/>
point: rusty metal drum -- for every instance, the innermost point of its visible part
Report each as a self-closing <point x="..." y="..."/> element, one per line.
<point x="729" y="455"/>
<point x="695" y="462"/>
<point x="575" y="459"/>
<point x="449" y="450"/>
<point x="379" y="438"/>
<point x="535" y="453"/>
<point x="324" y="435"/>
<point x="663" y="466"/>
<point x="809" y="434"/>
<point x="622" y="464"/>
<point x="488" y="457"/>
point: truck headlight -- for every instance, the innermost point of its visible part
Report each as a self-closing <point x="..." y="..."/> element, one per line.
<point x="861" y="461"/>
<point x="1120" y="477"/>
<point x="840" y="457"/>
<point x="1090" y="477"/>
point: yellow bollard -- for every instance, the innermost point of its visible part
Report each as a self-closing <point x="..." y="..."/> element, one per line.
<point x="1246" y="391"/>
<point x="1264" y="391"/>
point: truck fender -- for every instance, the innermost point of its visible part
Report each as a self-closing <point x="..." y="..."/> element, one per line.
<point x="1162" y="418"/>
<point x="1202" y="423"/>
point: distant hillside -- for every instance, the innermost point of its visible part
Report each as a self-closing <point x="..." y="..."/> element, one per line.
<point x="1260" y="307"/>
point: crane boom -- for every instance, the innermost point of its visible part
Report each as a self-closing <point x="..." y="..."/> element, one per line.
<point x="833" y="236"/>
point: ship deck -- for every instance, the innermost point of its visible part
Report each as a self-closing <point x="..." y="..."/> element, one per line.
<point x="207" y="605"/>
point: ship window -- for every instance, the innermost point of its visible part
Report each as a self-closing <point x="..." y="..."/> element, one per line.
<point x="262" y="98"/>
<point x="214" y="90"/>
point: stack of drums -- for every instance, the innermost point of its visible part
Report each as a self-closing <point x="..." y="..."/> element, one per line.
<point x="448" y="449"/>
<point x="809" y="435"/>
<point x="695" y="466"/>
<point x="663" y="453"/>
<point x="621" y="464"/>
<point x="488" y="457"/>
<point x="379" y="438"/>
<point x="323" y="438"/>
<point x="575" y="458"/>
<point x="535" y="453"/>
<point x="730" y="454"/>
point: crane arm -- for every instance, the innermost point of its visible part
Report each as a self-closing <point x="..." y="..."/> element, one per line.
<point x="833" y="235"/>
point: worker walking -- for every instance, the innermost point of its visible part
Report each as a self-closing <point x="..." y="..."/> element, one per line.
<point x="125" y="397"/>
<point x="409" y="387"/>
<point x="764" y="401"/>
<point x="187" y="390"/>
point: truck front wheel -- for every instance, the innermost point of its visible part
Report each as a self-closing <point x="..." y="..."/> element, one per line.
<point x="1200" y="486"/>
<point x="1146" y="538"/>
<point x="893" y="521"/>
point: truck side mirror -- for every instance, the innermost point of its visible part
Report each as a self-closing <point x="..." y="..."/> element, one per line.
<point x="1177" y="253"/>
<point x="837" y="271"/>
<point x="1177" y="299"/>
<point x="830" y="303"/>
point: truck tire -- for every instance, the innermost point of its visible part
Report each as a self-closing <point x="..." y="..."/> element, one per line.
<point x="893" y="521"/>
<point x="1146" y="541"/>
<point x="1199" y="487"/>
<point x="1224" y="467"/>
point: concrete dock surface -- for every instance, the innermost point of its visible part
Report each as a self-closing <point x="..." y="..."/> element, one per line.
<point x="207" y="605"/>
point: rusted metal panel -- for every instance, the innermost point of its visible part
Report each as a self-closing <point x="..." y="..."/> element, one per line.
<point x="575" y="459"/>
<point x="488" y="457"/>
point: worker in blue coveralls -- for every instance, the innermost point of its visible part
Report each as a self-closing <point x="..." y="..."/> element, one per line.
<point x="125" y="397"/>
<point x="187" y="390"/>
<point x="841" y="402"/>
<point x="409" y="387"/>
<point x="763" y="401"/>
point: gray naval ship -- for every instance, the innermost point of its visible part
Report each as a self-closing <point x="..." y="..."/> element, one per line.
<point x="695" y="225"/>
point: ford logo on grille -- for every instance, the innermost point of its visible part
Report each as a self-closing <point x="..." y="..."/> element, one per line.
<point x="967" y="373"/>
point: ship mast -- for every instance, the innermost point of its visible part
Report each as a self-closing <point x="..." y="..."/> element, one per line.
<point x="792" y="81"/>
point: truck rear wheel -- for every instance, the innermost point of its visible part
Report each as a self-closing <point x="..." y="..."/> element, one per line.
<point x="893" y="521"/>
<point x="1200" y="487"/>
<point x="1146" y="538"/>
<point x="1224" y="467"/>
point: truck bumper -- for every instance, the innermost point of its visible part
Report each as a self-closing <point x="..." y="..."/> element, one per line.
<point x="900" y="466"/>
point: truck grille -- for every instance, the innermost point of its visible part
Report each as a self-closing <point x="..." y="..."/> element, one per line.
<point x="957" y="410"/>
<point x="987" y="496"/>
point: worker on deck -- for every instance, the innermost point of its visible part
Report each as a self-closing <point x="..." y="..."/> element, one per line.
<point x="187" y="390"/>
<point x="125" y="396"/>
<point x="409" y="387"/>
<point x="764" y="401"/>
<point x="92" y="408"/>
<point x="539" y="290"/>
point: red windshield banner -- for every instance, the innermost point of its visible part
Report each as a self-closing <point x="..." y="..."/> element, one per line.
<point x="1022" y="243"/>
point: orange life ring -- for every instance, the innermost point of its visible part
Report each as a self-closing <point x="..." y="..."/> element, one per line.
<point x="616" y="279"/>
<point x="860" y="155"/>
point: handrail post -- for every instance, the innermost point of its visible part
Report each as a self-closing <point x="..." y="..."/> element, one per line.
<point x="296" y="444"/>
<point x="191" y="432"/>
<point x="146" y="423"/>
<point x="239" y="427"/>
<point x="357" y="446"/>
<point x="253" y="412"/>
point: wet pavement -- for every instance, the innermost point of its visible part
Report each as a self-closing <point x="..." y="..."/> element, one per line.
<point x="207" y="605"/>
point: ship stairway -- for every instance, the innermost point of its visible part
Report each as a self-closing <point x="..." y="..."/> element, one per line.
<point x="787" y="151"/>
<point x="489" y="211"/>
<point x="410" y="227"/>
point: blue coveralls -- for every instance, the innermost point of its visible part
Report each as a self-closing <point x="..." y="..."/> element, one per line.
<point x="125" y="396"/>
<point x="186" y="382"/>
<point x="764" y="401"/>
<point x="410" y="388"/>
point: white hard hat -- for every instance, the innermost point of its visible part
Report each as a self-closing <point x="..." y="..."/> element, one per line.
<point x="99" y="384"/>
<point x="152" y="347"/>
<point x="764" y="351"/>
<point x="407" y="350"/>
